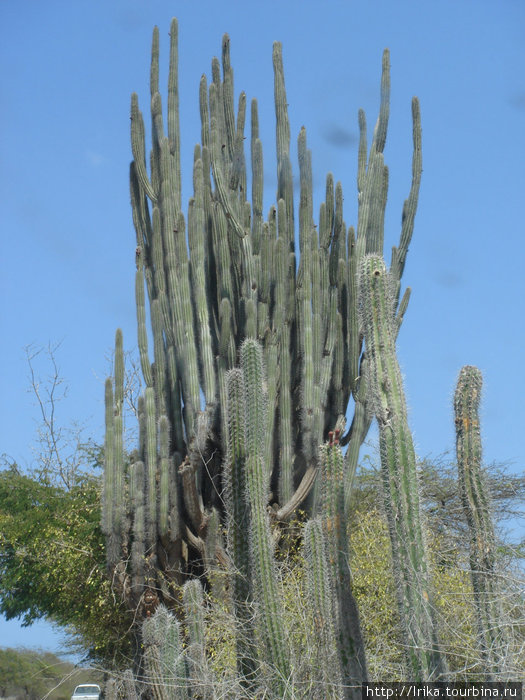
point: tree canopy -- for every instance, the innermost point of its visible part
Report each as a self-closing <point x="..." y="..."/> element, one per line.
<point x="52" y="561"/>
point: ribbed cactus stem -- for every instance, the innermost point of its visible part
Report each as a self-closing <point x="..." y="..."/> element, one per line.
<point x="350" y="644"/>
<point x="193" y="599"/>
<point x="238" y="523"/>
<point x="150" y="442"/>
<point x="399" y="472"/>
<point x="138" y="548"/>
<point x="119" y="435"/>
<point x="109" y="462"/>
<point x="141" y="326"/>
<point x="476" y="506"/>
<point x="129" y="685"/>
<point x="165" y="476"/>
<point x="165" y="669"/>
<point x="321" y="598"/>
<point x="265" y="579"/>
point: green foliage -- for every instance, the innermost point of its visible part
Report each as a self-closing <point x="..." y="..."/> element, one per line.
<point x="52" y="561"/>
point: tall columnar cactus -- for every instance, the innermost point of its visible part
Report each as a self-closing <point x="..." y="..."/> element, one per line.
<point x="476" y="505"/>
<point x="348" y="630"/>
<point x="245" y="386"/>
<point x="165" y="673"/>
<point x="399" y="472"/>
<point x="213" y="278"/>
<point x="238" y="524"/>
<point x="321" y="599"/>
<point x="196" y="649"/>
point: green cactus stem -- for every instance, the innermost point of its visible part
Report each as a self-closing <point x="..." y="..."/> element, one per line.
<point x="476" y="506"/>
<point x="261" y="543"/>
<point x="399" y="472"/>
<point x="238" y="525"/>
<point x="321" y="599"/>
<point x="164" y="661"/>
<point x="350" y="644"/>
<point x="198" y="671"/>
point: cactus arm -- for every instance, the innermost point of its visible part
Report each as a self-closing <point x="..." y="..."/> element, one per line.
<point x="198" y="671"/>
<point x="173" y="110"/>
<point x="165" y="667"/>
<point x="196" y="237"/>
<point x="165" y="475"/>
<point x="138" y="147"/>
<point x="109" y="462"/>
<point x="409" y="208"/>
<point x="118" y="425"/>
<point x="141" y="326"/>
<point x="138" y="549"/>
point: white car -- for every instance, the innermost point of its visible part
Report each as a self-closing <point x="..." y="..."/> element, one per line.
<point x="86" y="692"/>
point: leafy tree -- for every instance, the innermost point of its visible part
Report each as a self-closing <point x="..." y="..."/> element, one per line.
<point x="52" y="561"/>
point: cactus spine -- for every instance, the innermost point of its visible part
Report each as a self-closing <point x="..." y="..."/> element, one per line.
<point x="476" y="506"/>
<point x="398" y="466"/>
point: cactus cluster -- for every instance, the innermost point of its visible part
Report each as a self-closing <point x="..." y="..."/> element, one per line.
<point x="264" y="332"/>
<point x="228" y="275"/>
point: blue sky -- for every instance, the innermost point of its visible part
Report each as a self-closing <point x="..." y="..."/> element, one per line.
<point x="68" y="243"/>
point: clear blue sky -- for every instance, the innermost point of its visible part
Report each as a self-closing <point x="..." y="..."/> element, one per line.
<point x="68" y="244"/>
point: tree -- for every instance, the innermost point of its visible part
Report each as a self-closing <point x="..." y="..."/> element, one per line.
<point x="52" y="561"/>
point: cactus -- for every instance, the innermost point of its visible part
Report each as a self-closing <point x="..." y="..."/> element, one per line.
<point x="320" y="594"/>
<point x="476" y="506"/>
<point x="238" y="524"/>
<point x="196" y="650"/>
<point x="129" y="686"/>
<point x="165" y="669"/>
<point x="262" y="562"/>
<point x="213" y="279"/>
<point x="399" y="474"/>
<point x="348" y="630"/>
